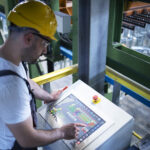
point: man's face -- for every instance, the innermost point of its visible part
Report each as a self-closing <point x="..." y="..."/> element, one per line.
<point x="38" y="48"/>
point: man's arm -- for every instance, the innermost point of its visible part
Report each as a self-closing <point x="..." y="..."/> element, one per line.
<point x="27" y="136"/>
<point x="40" y="93"/>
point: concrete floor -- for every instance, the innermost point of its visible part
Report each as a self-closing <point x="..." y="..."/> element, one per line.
<point x="141" y="114"/>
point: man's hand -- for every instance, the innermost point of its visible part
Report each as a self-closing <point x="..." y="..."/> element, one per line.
<point x="71" y="131"/>
<point x="27" y="136"/>
<point x="40" y="93"/>
<point x="54" y="96"/>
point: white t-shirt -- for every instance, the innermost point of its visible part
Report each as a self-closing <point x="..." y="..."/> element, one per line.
<point x="14" y="102"/>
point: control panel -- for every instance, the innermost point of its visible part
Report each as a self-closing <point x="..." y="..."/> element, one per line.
<point x="81" y="104"/>
<point x="72" y="110"/>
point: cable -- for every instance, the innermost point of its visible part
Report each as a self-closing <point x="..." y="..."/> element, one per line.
<point x="65" y="38"/>
<point x="137" y="135"/>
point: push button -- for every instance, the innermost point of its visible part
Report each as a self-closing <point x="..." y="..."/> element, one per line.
<point x="96" y="99"/>
<point x="78" y="142"/>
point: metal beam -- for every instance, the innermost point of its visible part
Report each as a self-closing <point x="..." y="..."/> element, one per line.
<point x="84" y="40"/>
<point x="116" y="93"/>
<point x="93" y="29"/>
<point x="75" y="33"/>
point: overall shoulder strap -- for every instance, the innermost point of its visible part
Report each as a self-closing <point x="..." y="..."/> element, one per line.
<point x="32" y="102"/>
<point x="9" y="72"/>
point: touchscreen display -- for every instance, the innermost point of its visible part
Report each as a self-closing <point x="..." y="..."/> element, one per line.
<point x="72" y="110"/>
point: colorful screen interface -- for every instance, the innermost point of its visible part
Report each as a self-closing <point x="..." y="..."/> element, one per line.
<point x="72" y="110"/>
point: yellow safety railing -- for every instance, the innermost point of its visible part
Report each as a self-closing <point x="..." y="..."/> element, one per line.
<point x="127" y="82"/>
<point x="120" y="78"/>
<point x="56" y="75"/>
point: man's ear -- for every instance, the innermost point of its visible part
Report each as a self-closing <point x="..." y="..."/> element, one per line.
<point x="28" y="39"/>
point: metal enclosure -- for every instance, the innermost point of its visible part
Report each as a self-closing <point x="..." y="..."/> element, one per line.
<point x="76" y="105"/>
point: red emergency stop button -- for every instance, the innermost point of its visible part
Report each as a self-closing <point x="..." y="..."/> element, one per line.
<point x="96" y="99"/>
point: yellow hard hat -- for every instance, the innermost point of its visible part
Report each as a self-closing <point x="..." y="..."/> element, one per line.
<point x="34" y="14"/>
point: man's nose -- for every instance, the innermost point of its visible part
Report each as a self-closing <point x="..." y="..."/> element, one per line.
<point x="45" y="50"/>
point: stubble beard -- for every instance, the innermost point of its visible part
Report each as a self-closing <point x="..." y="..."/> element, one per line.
<point x="29" y="54"/>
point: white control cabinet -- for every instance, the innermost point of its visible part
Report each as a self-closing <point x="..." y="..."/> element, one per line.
<point x="108" y="127"/>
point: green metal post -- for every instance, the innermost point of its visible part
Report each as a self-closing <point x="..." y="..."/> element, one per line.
<point x="75" y="35"/>
<point x="35" y="70"/>
<point x="1" y="39"/>
<point x="8" y="5"/>
<point x="54" y="4"/>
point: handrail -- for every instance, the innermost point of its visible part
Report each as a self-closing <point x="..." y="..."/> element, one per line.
<point x="120" y="78"/>
<point x="127" y="82"/>
<point x="56" y="74"/>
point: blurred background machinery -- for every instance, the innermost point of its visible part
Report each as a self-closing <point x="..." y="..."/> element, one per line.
<point x="136" y="27"/>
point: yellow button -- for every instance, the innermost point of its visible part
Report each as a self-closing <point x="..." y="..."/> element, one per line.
<point x="96" y="99"/>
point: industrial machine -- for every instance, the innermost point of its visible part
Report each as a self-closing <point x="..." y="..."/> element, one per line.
<point x="107" y="126"/>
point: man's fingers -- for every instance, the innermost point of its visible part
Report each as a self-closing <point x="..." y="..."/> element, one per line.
<point x="59" y="91"/>
<point x="77" y="129"/>
<point x="77" y="125"/>
<point x="65" y="88"/>
<point x="80" y="125"/>
<point x="76" y="135"/>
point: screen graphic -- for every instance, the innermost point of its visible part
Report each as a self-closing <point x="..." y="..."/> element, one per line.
<point x="72" y="110"/>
